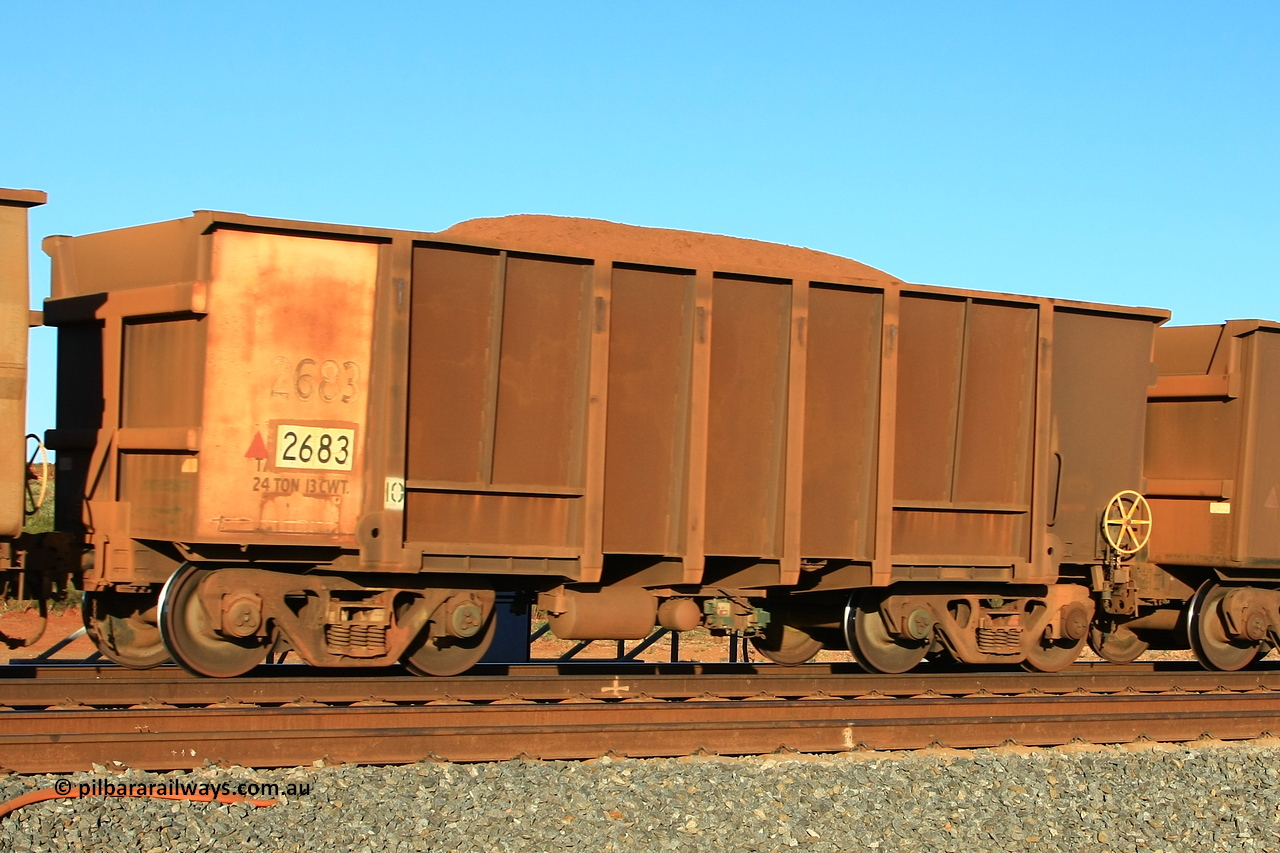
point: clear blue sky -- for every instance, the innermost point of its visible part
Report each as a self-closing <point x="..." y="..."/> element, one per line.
<point x="1119" y="152"/>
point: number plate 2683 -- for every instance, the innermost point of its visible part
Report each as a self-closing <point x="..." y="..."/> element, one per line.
<point x="327" y="448"/>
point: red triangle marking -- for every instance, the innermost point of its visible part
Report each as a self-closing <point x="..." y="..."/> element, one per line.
<point x="258" y="449"/>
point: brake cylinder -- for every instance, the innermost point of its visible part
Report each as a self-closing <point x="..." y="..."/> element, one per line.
<point x="615" y="613"/>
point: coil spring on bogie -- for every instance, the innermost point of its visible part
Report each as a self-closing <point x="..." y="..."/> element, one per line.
<point x="999" y="641"/>
<point x="358" y="637"/>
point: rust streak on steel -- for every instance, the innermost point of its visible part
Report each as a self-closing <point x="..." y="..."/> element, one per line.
<point x="69" y="740"/>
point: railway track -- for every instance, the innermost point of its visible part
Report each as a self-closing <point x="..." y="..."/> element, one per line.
<point x="62" y="719"/>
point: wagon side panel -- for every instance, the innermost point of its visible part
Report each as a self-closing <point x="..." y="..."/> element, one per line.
<point x="965" y="420"/>
<point x="651" y="327"/>
<point x="1102" y="368"/>
<point x="842" y="414"/>
<point x="498" y="371"/>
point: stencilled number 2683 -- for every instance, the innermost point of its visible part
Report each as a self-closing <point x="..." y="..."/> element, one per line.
<point x="308" y="379"/>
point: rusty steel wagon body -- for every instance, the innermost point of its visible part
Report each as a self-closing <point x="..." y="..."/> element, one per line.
<point x="1213" y="481"/>
<point x="344" y="440"/>
<point x="29" y="565"/>
<point x="15" y="319"/>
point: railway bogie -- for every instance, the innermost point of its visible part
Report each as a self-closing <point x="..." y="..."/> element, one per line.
<point x="346" y="442"/>
<point x="224" y="620"/>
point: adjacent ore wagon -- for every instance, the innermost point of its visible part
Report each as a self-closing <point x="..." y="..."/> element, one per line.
<point x="1213" y="473"/>
<point x="15" y="318"/>
<point x="344" y="441"/>
<point x="29" y="564"/>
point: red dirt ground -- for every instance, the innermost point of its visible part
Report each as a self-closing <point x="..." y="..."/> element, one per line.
<point x="24" y="623"/>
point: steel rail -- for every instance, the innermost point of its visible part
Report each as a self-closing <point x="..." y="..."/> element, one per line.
<point x="165" y="739"/>
<point x="90" y="669"/>
<point x="170" y="686"/>
<point x="583" y="711"/>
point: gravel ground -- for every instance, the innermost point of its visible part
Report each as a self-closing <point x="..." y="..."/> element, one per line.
<point x="1206" y="796"/>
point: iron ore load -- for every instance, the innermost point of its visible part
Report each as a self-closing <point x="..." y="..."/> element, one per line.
<point x="345" y="442"/>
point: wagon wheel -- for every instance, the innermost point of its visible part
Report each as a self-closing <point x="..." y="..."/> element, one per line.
<point x="1126" y="523"/>
<point x="1207" y="631"/>
<point x="875" y="649"/>
<point x="190" y="631"/>
<point x="24" y="639"/>
<point x="1050" y="655"/>
<point x="1117" y="645"/>
<point x="435" y="652"/>
<point x="786" y="645"/>
<point x="123" y="627"/>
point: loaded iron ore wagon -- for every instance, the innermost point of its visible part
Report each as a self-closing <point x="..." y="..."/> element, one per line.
<point x="343" y="441"/>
